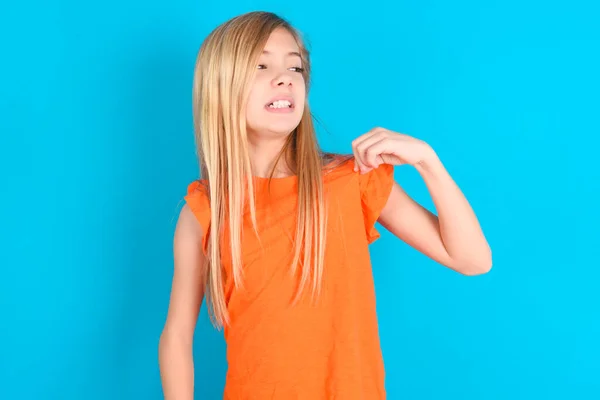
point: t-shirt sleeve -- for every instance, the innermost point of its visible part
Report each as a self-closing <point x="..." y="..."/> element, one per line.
<point x="375" y="189"/>
<point x="198" y="201"/>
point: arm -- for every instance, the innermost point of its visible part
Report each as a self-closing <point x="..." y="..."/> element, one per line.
<point x="187" y="291"/>
<point x="453" y="239"/>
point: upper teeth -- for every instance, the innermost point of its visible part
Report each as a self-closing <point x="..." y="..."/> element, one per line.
<point x="280" y="104"/>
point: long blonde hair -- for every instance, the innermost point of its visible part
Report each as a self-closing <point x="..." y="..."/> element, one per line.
<point x="224" y="69"/>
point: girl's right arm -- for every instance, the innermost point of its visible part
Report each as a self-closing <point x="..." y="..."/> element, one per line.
<point x="187" y="292"/>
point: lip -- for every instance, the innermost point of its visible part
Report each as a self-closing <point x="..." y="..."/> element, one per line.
<point x="281" y="97"/>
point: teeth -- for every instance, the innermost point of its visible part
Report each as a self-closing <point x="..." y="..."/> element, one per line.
<point x="280" y="104"/>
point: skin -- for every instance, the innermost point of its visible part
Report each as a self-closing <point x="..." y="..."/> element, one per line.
<point x="453" y="238"/>
<point x="278" y="74"/>
<point x="187" y="291"/>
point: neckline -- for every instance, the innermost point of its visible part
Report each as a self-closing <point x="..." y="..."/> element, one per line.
<point x="293" y="179"/>
<point x="282" y="179"/>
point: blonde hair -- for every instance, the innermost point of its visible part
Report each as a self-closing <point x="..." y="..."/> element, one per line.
<point x="224" y="69"/>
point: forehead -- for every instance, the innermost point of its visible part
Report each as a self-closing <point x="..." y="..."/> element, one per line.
<point x="281" y="40"/>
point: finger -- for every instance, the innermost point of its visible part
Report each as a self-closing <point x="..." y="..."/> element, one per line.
<point x="358" y="154"/>
<point x="367" y="159"/>
<point x="375" y="154"/>
<point x="357" y="164"/>
<point x="360" y="143"/>
<point x="372" y="153"/>
<point x="357" y="160"/>
<point x="390" y="159"/>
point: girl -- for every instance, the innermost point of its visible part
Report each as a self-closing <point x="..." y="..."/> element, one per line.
<point x="276" y="232"/>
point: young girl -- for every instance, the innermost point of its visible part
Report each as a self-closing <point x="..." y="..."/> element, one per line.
<point x="275" y="235"/>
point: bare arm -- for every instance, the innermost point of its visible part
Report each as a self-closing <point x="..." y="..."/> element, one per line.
<point x="453" y="239"/>
<point x="187" y="292"/>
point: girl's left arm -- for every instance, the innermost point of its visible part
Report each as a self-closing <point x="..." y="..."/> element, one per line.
<point x="453" y="238"/>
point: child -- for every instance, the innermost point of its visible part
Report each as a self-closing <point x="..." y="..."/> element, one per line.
<point x="276" y="232"/>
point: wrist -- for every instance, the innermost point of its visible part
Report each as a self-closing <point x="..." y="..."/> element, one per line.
<point x="430" y="162"/>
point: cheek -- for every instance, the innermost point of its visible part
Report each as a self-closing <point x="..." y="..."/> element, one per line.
<point x="300" y="99"/>
<point x="253" y="103"/>
<point x="301" y="89"/>
<point x="256" y="96"/>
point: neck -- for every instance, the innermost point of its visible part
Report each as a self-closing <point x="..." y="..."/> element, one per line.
<point x="263" y="155"/>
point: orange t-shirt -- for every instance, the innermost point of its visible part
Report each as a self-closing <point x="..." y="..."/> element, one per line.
<point x="310" y="351"/>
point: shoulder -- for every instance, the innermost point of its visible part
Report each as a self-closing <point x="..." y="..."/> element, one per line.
<point x="197" y="196"/>
<point x="197" y="188"/>
<point x="342" y="166"/>
<point x="338" y="165"/>
<point x="188" y="225"/>
<point x="197" y="202"/>
<point x="196" y="210"/>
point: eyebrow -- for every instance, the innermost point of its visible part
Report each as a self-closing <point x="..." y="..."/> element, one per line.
<point x="291" y="53"/>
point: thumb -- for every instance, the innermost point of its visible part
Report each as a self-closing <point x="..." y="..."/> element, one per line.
<point x="390" y="159"/>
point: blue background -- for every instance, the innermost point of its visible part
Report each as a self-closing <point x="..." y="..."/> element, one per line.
<point x="97" y="150"/>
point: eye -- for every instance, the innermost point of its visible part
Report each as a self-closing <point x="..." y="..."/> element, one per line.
<point x="295" y="69"/>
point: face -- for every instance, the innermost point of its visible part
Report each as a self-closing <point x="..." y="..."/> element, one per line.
<point x="278" y="91"/>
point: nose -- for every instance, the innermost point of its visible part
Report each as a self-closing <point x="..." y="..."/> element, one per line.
<point x="282" y="79"/>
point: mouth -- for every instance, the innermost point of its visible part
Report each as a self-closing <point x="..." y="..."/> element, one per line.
<point x="280" y="104"/>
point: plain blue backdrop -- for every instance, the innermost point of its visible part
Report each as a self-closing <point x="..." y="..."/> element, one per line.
<point x="97" y="149"/>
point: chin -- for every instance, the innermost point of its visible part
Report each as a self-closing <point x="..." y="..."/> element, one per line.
<point x="275" y="129"/>
<point x="282" y="126"/>
<point x="274" y="125"/>
<point x="279" y="131"/>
